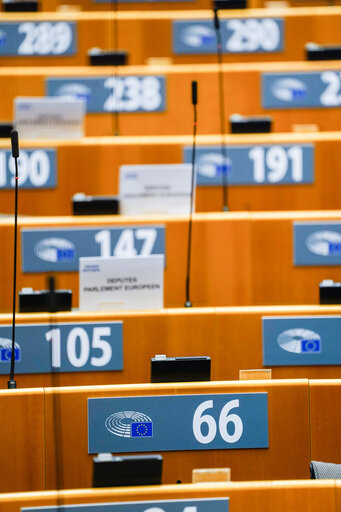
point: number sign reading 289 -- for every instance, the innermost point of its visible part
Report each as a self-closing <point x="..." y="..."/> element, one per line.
<point x="179" y="422"/>
<point x="58" y="250"/>
<point x="38" y="38"/>
<point x="295" y="90"/>
<point x="68" y="347"/>
<point x="36" y="168"/>
<point x="113" y="93"/>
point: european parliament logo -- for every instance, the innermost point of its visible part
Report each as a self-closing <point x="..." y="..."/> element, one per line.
<point x="289" y="90"/>
<point x="324" y="243"/>
<point x="55" y="250"/>
<point x="129" y="424"/>
<point x="300" y="341"/>
<point x="6" y="350"/>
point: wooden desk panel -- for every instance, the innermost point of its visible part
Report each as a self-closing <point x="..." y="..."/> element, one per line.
<point x="22" y="434"/>
<point x="98" y="161"/>
<point x="232" y="337"/>
<point x="308" y="495"/>
<point x="288" y="435"/>
<point x="238" y="259"/>
<point x="242" y="90"/>
<point x="149" y="34"/>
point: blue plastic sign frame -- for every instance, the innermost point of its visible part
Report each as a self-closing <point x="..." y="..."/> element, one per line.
<point x="36" y="169"/>
<point x="178" y="422"/>
<point x="38" y="38"/>
<point x="258" y="164"/>
<point x="59" y="249"/>
<point x="199" y="504"/>
<point x="319" y="89"/>
<point x="301" y="340"/>
<point x="138" y="93"/>
<point x="239" y="35"/>
<point x="63" y="347"/>
<point x="317" y="243"/>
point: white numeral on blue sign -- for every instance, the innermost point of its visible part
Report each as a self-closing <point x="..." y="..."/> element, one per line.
<point x="133" y="93"/>
<point x="34" y="167"/>
<point x="45" y="38"/>
<point x="331" y="96"/>
<point x="200" y="419"/>
<point x="125" y="245"/>
<point x="78" y="346"/>
<point x="272" y="164"/>
<point x="251" y="35"/>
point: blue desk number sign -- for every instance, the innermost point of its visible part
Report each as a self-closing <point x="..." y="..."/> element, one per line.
<point x="180" y="422"/>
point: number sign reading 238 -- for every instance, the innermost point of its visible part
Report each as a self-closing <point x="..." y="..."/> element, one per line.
<point x="58" y="250"/>
<point x="113" y="93"/>
<point x="38" y="38"/>
<point x="179" y="422"/>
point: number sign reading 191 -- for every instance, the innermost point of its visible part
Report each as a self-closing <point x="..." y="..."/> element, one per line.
<point x="45" y="38"/>
<point x="301" y="90"/>
<point x="247" y="35"/>
<point x="36" y="168"/>
<point x="185" y="505"/>
<point x="67" y="347"/>
<point x="59" y="249"/>
<point x="113" y="93"/>
<point x="317" y="243"/>
<point x="179" y="422"/>
<point x="254" y="165"/>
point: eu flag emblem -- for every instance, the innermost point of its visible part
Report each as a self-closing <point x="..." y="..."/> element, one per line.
<point x="142" y="429"/>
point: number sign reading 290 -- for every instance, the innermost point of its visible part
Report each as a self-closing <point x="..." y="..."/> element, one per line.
<point x="255" y="165"/>
<point x="36" y="169"/>
<point x="294" y="90"/>
<point x="68" y="347"/>
<point x="179" y="422"/>
<point x="58" y="250"/>
<point x="44" y="38"/>
<point x="111" y="94"/>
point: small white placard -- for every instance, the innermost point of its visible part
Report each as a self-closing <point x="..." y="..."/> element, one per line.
<point x="155" y="189"/>
<point x="121" y="283"/>
<point x="49" y="117"/>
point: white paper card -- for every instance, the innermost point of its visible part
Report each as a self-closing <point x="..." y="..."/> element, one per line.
<point x="155" y="189"/>
<point x="49" y="117"/>
<point x="115" y="283"/>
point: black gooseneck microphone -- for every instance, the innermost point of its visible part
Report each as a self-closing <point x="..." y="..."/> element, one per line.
<point x="194" y="86"/>
<point x="15" y="154"/>
<point x="221" y="107"/>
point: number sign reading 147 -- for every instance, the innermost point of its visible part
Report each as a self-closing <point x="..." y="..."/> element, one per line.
<point x="185" y="505"/>
<point x="38" y="38"/>
<point x="69" y="347"/>
<point x="36" y="169"/>
<point x="295" y="90"/>
<point x="45" y="250"/>
<point x="179" y="422"/>
<point x="255" y="165"/>
<point x="249" y="35"/>
<point x="113" y="93"/>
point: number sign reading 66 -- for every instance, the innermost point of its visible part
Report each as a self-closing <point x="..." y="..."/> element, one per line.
<point x="45" y="250"/>
<point x="179" y="422"/>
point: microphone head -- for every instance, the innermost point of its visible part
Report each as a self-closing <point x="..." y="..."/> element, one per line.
<point x="216" y="18"/>
<point x="15" y="143"/>
<point x="194" y="92"/>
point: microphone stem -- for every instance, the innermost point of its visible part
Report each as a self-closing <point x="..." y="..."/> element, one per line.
<point x="188" y="302"/>
<point x="222" y="115"/>
<point x="11" y="382"/>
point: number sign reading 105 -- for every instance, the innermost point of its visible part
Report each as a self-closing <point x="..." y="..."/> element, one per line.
<point x="113" y="93"/>
<point x="36" y="169"/>
<point x="295" y="90"/>
<point x="68" y="347"/>
<point x="178" y="422"/>
<point x="44" y="38"/>
<point x="59" y="249"/>
<point x="249" y="35"/>
<point x="255" y="165"/>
